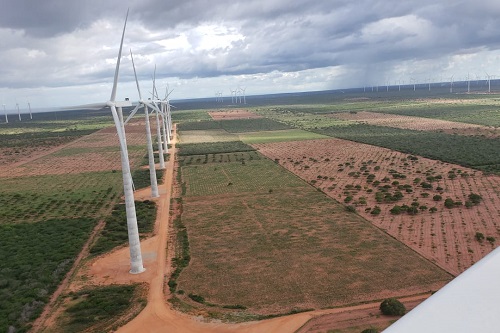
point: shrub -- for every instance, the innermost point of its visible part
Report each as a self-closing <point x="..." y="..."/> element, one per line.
<point x="197" y="298"/>
<point x="449" y="203"/>
<point x="479" y="236"/>
<point x="370" y="330"/>
<point x="351" y="209"/>
<point x="475" y="198"/>
<point x="392" y="307"/>
<point x="376" y="210"/>
<point x="437" y="197"/>
<point x="490" y="239"/>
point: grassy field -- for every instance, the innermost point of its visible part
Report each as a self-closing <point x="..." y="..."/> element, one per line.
<point x="212" y="148"/>
<point x="189" y="116"/>
<point x="34" y="199"/>
<point x="277" y="136"/>
<point x="201" y="136"/>
<point x="275" y="244"/>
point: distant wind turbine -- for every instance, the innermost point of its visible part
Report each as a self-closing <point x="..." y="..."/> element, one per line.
<point x="18" y="111"/>
<point x="489" y="81"/>
<point x="29" y="107"/>
<point x="5" y="111"/>
<point x="451" y="84"/>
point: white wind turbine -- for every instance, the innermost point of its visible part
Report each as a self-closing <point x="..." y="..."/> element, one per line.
<point x="159" y="112"/>
<point x="414" y="83"/>
<point x="5" y="111"/>
<point x="244" y="97"/>
<point x="136" y="263"/>
<point x="29" y="107"/>
<point x="489" y="81"/>
<point x="143" y="104"/>
<point x="451" y="84"/>
<point x="18" y="111"/>
<point x="468" y="83"/>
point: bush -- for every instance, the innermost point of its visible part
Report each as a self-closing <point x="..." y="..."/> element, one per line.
<point x="370" y="330"/>
<point x="392" y="307"/>
<point x="437" y="197"/>
<point x="449" y="203"/>
<point x="479" y="236"/>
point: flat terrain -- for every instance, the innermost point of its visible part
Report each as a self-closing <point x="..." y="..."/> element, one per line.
<point x="262" y="239"/>
<point x="418" y="123"/>
<point x="342" y="170"/>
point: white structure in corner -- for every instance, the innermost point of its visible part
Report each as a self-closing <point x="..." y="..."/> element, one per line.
<point x="467" y="304"/>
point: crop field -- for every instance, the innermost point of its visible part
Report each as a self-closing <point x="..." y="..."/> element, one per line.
<point x="264" y="241"/>
<point x="419" y="123"/>
<point x="59" y="181"/>
<point x="278" y="136"/>
<point x="201" y="136"/>
<point x="233" y="114"/>
<point x="476" y="152"/>
<point x="403" y="194"/>
<point x="189" y="116"/>
<point x="33" y="199"/>
<point x="212" y="148"/>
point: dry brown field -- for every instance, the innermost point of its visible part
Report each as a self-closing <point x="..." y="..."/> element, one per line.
<point x="233" y="114"/>
<point x="418" y="123"/>
<point x="341" y="168"/>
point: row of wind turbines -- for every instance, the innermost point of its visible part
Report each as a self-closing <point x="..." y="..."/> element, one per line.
<point x="237" y="96"/>
<point x="413" y="83"/>
<point x="164" y="130"/>
<point x="18" y="112"/>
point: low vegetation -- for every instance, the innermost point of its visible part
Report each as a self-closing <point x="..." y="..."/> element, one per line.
<point x="115" y="230"/>
<point x="34" y="258"/>
<point x="392" y="307"/>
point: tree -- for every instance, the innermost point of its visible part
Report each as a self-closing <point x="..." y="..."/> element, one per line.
<point x="449" y="203"/>
<point x="392" y="307"/>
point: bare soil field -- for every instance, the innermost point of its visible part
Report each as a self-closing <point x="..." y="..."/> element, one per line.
<point x="418" y="123"/>
<point x="233" y="114"/>
<point x="369" y="178"/>
<point x="98" y="151"/>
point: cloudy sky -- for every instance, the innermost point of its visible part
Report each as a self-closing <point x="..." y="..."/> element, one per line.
<point x="63" y="52"/>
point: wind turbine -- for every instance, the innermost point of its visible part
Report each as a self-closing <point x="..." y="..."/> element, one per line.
<point x="468" y="83"/>
<point x="136" y="264"/>
<point x="18" y="112"/>
<point x="143" y="104"/>
<point x="5" y="111"/>
<point x="244" y="97"/>
<point x="414" y="83"/>
<point x="489" y="82"/>
<point x="451" y="84"/>
<point x="158" y="132"/>
<point x="29" y="107"/>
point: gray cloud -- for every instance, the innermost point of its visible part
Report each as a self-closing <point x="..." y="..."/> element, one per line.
<point x="55" y="43"/>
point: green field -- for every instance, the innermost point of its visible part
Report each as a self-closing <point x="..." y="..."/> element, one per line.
<point x="201" y="136"/>
<point x="189" y="115"/>
<point x="34" y="258"/>
<point x="256" y="175"/>
<point x="278" y="136"/>
<point x="33" y="199"/>
<point x="476" y="152"/>
<point x="212" y="148"/>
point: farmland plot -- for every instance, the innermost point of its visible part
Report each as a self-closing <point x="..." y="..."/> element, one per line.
<point x="263" y="240"/>
<point x="374" y="180"/>
<point x="418" y="123"/>
<point x="233" y="114"/>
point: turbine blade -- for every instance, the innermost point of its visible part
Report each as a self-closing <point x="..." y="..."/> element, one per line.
<point x="117" y="69"/>
<point x="152" y="106"/>
<point x="135" y="74"/>
<point x="134" y="111"/>
<point x="94" y="106"/>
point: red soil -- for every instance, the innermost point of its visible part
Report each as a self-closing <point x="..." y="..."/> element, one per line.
<point x="418" y="123"/>
<point x="446" y="237"/>
<point x="233" y="114"/>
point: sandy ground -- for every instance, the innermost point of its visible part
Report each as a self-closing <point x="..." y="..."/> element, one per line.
<point x="233" y="114"/>
<point x="418" y="123"/>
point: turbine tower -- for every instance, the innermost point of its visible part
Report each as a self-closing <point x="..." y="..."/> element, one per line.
<point x="5" y="111"/>
<point x="29" y="107"/>
<point x="136" y="263"/>
<point x="451" y="84"/>
<point x="18" y="111"/>
<point x="151" y="159"/>
<point x="489" y="82"/>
